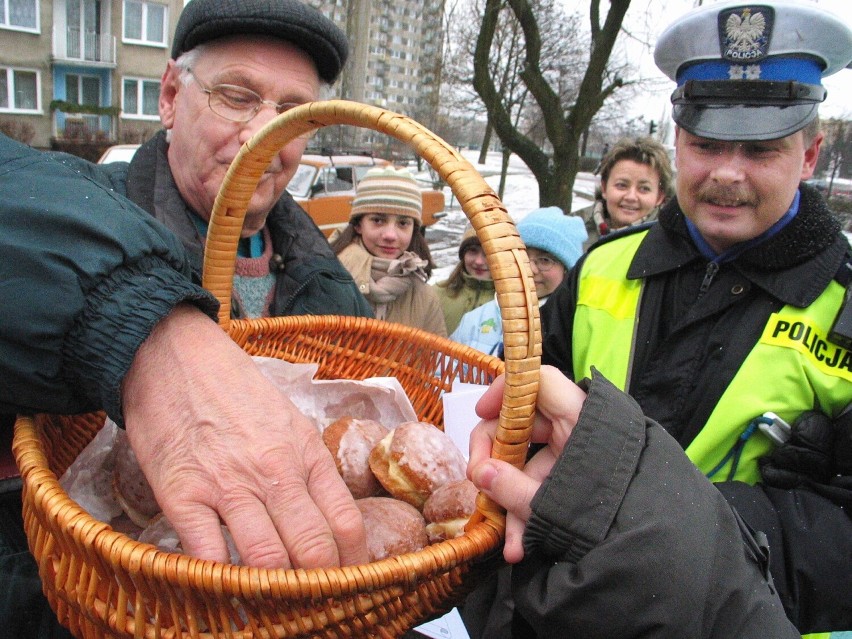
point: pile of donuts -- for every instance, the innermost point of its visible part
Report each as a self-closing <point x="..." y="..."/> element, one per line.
<point x="409" y="482"/>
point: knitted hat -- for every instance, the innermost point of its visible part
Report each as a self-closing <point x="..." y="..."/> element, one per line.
<point x="468" y="239"/>
<point x="549" y="229"/>
<point x="290" y="20"/>
<point x="388" y="190"/>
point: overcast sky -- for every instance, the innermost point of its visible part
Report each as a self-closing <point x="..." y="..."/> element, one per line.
<point x="647" y="18"/>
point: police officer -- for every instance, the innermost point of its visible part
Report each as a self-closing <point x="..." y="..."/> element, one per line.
<point x="720" y="318"/>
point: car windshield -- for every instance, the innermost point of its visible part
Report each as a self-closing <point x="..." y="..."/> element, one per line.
<point x="300" y="184"/>
<point x="119" y="154"/>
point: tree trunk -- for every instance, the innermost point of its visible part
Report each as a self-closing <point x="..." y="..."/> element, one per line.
<point x="504" y="169"/>
<point x="486" y="142"/>
<point x="563" y="125"/>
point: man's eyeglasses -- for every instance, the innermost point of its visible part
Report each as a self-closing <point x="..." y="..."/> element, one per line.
<point x="237" y="104"/>
<point x="543" y="263"/>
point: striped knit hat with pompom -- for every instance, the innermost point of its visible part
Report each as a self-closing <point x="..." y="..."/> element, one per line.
<point x="388" y="190"/>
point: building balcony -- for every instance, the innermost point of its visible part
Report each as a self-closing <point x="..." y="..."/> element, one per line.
<point x="83" y="127"/>
<point x="88" y="48"/>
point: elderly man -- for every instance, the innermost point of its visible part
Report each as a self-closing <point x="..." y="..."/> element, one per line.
<point x="127" y="331"/>
<point x="235" y="66"/>
<point x="727" y="322"/>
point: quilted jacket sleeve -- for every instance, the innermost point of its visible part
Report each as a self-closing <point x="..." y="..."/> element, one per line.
<point x="628" y="539"/>
<point x="84" y="276"/>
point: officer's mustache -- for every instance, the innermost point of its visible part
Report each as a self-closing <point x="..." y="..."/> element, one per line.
<point x="726" y="195"/>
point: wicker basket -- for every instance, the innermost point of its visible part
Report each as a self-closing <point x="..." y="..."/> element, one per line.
<point x="101" y="583"/>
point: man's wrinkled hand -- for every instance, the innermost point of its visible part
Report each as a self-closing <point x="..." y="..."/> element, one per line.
<point x="219" y="444"/>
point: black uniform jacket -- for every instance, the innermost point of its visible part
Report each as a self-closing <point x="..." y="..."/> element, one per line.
<point x="697" y="324"/>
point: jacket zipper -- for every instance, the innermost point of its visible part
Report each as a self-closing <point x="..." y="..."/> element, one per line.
<point x="709" y="274"/>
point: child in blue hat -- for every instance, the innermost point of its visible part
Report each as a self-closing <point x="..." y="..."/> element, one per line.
<point x="554" y="243"/>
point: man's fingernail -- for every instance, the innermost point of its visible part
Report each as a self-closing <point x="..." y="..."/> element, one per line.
<point x="484" y="475"/>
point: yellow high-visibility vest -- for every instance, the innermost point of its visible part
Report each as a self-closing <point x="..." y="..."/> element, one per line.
<point x="791" y="369"/>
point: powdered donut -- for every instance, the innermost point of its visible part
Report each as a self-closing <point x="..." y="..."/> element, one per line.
<point x="393" y="527"/>
<point x="415" y="459"/>
<point x="350" y="441"/>
<point x="129" y="486"/>
<point x="448" y="509"/>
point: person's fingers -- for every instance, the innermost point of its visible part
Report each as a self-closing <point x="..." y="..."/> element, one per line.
<point x="254" y="533"/>
<point x="488" y="406"/>
<point x="560" y="402"/>
<point x="558" y="408"/>
<point x="199" y="530"/>
<point x="314" y="513"/>
<point x="513" y="549"/>
<point x="539" y="466"/>
<point x="338" y="508"/>
<point x="480" y="443"/>
<point x="506" y="485"/>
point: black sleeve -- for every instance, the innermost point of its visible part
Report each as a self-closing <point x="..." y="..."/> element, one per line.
<point x="629" y="539"/>
<point x="810" y="538"/>
<point x="557" y="323"/>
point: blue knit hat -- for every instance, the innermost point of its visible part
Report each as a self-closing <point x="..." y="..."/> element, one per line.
<point x="549" y="229"/>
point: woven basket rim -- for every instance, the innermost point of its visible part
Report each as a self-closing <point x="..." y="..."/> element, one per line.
<point x="153" y="559"/>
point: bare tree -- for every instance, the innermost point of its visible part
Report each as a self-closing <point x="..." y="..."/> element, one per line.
<point x="565" y="115"/>
<point x="835" y="160"/>
<point x="505" y="60"/>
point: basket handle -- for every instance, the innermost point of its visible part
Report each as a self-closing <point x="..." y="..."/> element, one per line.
<point x="505" y="252"/>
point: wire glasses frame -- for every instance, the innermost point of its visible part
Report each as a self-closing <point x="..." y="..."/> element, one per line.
<point x="235" y="103"/>
<point x="543" y="263"/>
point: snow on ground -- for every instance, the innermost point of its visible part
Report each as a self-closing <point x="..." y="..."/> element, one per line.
<point x="521" y="197"/>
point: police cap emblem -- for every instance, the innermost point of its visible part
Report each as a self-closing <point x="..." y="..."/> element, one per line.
<point x="745" y="32"/>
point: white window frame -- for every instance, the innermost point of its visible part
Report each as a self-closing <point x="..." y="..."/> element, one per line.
<point x="5" y="24"/>
<point x="145" y="41"/>
<point x="139" y="95"/>
<point x="9" y="72"/>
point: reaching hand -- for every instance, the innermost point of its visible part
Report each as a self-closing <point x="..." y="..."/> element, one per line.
<point x="217" y="441"/>
<point x="559" y="404"/>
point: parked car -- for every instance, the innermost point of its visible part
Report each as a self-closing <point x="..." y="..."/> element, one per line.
<point x="838" y="187"/>
<point x="118" y="153"/>
<point x="323" y="185"/>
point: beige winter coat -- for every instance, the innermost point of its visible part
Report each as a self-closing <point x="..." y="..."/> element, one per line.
<point x="418" y="306"/>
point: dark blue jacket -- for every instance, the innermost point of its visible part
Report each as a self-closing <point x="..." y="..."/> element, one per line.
<point x="84" y="276"/>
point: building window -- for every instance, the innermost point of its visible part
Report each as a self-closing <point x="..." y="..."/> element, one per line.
<point x="19" y="15"/>
<point x="19" y="91"/>
<point x="83" y="89"/>
<point x="145" y="22"/>
<point x="140" y="98"/>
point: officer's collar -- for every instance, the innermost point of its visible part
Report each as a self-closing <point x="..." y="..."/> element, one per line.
<point x="807" y="234"/>
<point x="803" y="257"/>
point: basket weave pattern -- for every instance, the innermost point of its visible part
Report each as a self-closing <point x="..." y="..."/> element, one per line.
<point x="101" y="583"/>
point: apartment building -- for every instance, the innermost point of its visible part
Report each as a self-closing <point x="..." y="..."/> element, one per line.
<point x="90" y="69"/>
<point x="84" y="69"/>
<point x="396" y="53"/>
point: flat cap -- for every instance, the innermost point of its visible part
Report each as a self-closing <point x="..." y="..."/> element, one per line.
<point x="751" y="71"/>
<point x="289" y="20"/>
